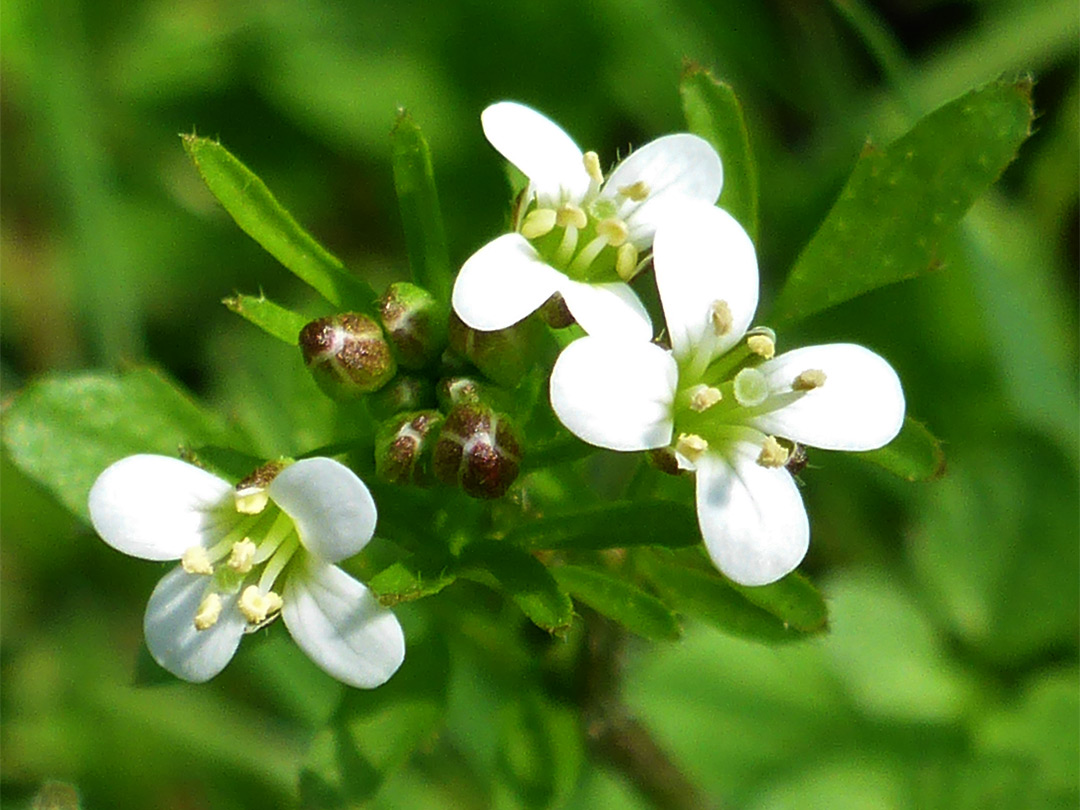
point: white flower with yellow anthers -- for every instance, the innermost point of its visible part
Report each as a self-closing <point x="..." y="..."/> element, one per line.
<point x="575" y="233"/>
<point x="721" y="398"/>
<point x="247" y="553"/>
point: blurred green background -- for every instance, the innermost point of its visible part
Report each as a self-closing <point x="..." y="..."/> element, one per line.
<point x="950" y="676"/>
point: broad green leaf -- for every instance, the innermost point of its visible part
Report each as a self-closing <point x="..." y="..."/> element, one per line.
<point x="414" y="181"/>
<point x="618" y="525"/>
<point x="713" y="112"/>
<point x="524" y="578"/>
<point x="408" y="580"/>
<point x="274" y="319"/>
<point x="914" y="455"/>
<point x="793" y="600"/>
<point x="903" y="200"/>
<point x="638" y="611"/>
<point x="258" y="213"/>
<point x="64" y="430"/>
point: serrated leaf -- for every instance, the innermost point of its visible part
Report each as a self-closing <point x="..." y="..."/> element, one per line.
<point x="258" y="213"/>
<point x="638" y="611"/>
<point x="525" y="580"/>
<point x="914" y="455"/>
<point x="713" y="112"/>
<point x="618" y="525"/>
<point x="64" y="430"/>
<point x="902" y="201"/>
<point x="793" y="600"/>
<point x="274" y="319"/>
<point x="425" y="237"/>
<point x="409" y="580"/>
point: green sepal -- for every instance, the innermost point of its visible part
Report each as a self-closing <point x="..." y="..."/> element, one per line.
<point x="274" y="319"/>
<point x="258" y="213"/>
<point x="617" y="599"/>
<point x="615" y="525"/>
<point x="914" y="455"/>
<point x="714" y="113"/>
<point x="902" y="201"/>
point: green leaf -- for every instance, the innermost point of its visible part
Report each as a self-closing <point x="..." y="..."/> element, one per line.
<point x="274" y="319"/>
<point x="901" y="202"/>
<point x="525" y="580"/>
<point x="630" y="606"/>
<point x="618" y="525"/>
<point x="258" y="213"/>
<point x="64" y="430"/>
<point x="914" y="455"/>
<point x="425" y="237"/>
<point x="793" y="600"/>
<point x="713" y="112"/>
<point x="540" y="753"/>
<point x="409" y="579"/>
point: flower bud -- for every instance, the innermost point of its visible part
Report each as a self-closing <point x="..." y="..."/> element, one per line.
<point x="347" y="355"/>
<point x="415" y="323"/>
<point x="403" y="393"/>
<point x="555" y="313"/>
<point x="453" y="391"/>
<point x="403" y="447"/>
<point x="504" y="355"/>
<point x="477" y="450"/>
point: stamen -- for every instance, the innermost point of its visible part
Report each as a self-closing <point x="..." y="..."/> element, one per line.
<point x="809" y="380"/>
<point x="773" y="454"/>
<point x="196" y="561"/>
<point x="592" y="166"/>
<point x="635" y="191"/>
<point x="278" y="562"/>
<point x="691" y="446"/>
<point x="242" y="556"/>
<point x="256" y="606"/>
<point x="569" y="215"/>
<point x="588" y="255"/>
<point x="614" y="230"/>
<point x="750" y="387"/>
<point x="279" y="530"/>
<point x="762" y="345"/>
<point x="209" y="611"/>
<point x="721" y="318"/>
<point x="538" y="222"/>
<point x="626" y="260"/>
<point x="251" y="500"/>
<point x="703" y="397"/>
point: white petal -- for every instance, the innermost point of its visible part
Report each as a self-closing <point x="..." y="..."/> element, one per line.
<point x="333" y="510"/>
<point x="860" y="406"/>
<point x="156" y="507"/>
<point x="700" y="257"/>
<point x="540" y="148"/>
<point x="677" y="169"/>
<point x="503" y="282"/>
<point x="338" y="623"/>
<point x="752" y="517"/>
<point x="615" y="394"/>
<point x="611" y="309"/>
<point x="171" y="637"/>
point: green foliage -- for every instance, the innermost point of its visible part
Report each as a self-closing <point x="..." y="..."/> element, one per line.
<point x="274" y="319"/>
<point x="617" y="525"/>
<point x="630" y="606"/>
<point x="914" y="455"/>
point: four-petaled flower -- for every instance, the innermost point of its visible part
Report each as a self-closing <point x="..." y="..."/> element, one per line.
<point x="733" y="411"/>
<point x="288" y="523"/>
<point x="575" y="233"/>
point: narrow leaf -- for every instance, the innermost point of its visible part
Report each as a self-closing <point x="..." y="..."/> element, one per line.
<point x="662" y="523"/>
<point x="914" y="455"/>
<point x="793" y="600"/>
<point x="274" y="319"/>
<point x="425" y="237"/>
<point x="258" y="213"/>
<point x="524" y="578"/>
<point x="713" y="112"/>
<point x="902" y="201"/>
<point x="638" y="611"/>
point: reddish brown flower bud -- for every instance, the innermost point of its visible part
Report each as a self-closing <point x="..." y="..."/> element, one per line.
<point x="403" y="447"/>
<point x="505" y="355"/>
<point x="477" y="450"/>
<point x="403" y="393"/>
<point x="555" y="313"/>
<point x="347" y="354"/>
<point x="415" y="323"/>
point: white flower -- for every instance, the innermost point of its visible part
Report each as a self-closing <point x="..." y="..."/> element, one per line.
<point x="575" y="233"/>
<point x="234" y="545"/>
<point x="721" y="403"/>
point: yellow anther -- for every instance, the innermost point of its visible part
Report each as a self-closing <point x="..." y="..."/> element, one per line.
<point x="635" y="191"/>
<point x="762" y="345"/>
<point x="256" y="605"/>
<point x="809" y="380"/>
<point x="196" y="561"/>
<point x="626" y="261"/>
<point x="703" y="397"/>
<point x="613" y="230"/>
<point x="592" y="166"/>
<point x="242" y="556"/>
<point x="209" y="611"/>
<point x="538" y="222"/>
<point x="251" y="500"/>
<point x="773" y="454"/>
<point x="691" y="446"/>
<point x="569" y="214"/>
<point x="721" y="318"/>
